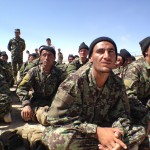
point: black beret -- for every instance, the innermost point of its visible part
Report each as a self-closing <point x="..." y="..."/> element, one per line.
<point x="145" y="43"/>
<point x="3" y="53"/>
<point x="47" y="48"/>
<point x="100" y="39"/>
<point x="125" y="54"/>
<point x="83" y="46"/>
<point x="70" y="55"/>
<point x="17" y="30"/>
<point x="48" y="39"/>
<point x="33" y="54"/>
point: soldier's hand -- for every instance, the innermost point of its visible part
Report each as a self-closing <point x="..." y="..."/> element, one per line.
<point x="26" y="113"/>
<point x="117" y="147"/>
<point x="108" y="138"/>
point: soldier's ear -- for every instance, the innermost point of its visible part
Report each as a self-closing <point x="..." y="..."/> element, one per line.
<point x="91" y="59"/>
<point x="146" y="54"/>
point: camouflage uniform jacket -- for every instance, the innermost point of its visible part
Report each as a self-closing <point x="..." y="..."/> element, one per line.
<point x="6" y="72"/>
<point x="75" y="65"/>
<point x="34" y="63"/>
<point x="80" y="102"/>
<point x="121" y="71"/>
<point x="137" y="82"/>
<point x="44" y="86"/>
<point x="16" y="46"/>
<point x="5" y="101"/>
<point x="22" y="72"/>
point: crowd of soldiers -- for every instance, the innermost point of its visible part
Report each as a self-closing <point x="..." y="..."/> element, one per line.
<point x="98" y="100"/>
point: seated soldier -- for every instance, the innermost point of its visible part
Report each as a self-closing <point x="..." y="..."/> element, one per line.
<point x="91" y="107"/>
<point x="122" y="62"/>
<point x="5" y="101"/>
<point x="78" y="62"/>
<point x="6" y="69"/>
<point x="44" y="80"/>
<point x="31" y="57"/>
<point x="137" y="81"/>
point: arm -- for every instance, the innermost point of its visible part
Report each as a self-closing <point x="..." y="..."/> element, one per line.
<point x="24" y="87"/>
<point x="133" y="82"/>
<point x="24" y="45"/>
<point x="67" y="107"/>
<point x="9" y="45"/>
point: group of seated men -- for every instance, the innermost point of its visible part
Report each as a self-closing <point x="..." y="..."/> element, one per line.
<point x="88" y="105"/>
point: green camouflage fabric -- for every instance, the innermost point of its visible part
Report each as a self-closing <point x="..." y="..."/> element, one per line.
<point x="121" y="71"/>
<point x="22" y="71"/>
<point x="34" y="63"/>
<point x="75" y="65"/>
<point x="79" y="107"/>
<point x="6" y="71"/>
<point x="137" y="82"/>
<point x="16" y="47"/>
<point x="44" y="86"/>
<point x="5" y="101"/>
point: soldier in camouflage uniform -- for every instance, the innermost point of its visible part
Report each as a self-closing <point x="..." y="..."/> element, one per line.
<point x="137" y="81"/>
<point x="91" y="107"/>
<point x="77" y="63"/>
<point x="6" y="70"/>
<point x="5" y="101"/>
<point x="44" y="79"/>
<point x="122" y="62"/>
<point x="60" y="56"/>
<point x="31" y="58"/>
<point x="16" y="46"/>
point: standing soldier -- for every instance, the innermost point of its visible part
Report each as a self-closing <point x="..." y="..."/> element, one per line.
<point x="60" y="56"/>
<point x="16" y="46"/>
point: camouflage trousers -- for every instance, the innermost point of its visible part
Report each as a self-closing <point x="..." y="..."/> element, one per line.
<point x="16" y="65"/>
<point x="69" y="137"/>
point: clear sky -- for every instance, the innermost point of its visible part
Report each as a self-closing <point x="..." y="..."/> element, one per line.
<point x="71" y="22"/>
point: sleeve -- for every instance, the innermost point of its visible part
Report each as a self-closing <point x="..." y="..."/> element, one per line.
<point x="24" y="87"/>
<point x="132" y="83"/>
<point x="24" y="45"/>
<point x="67" y="105"/>
<point x="9" y="45"/>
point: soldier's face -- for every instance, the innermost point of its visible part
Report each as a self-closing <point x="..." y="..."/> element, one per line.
<point x="47" y="58"/>
<point x="103" y="57"/>
<point x="48" y="42"/>
<point x="119" y="61"/>
<point x="17" y="34"/>
<point x="147" y="54"/>
<point x="5" y="58"/>
<point x="70" y="59"/>
<point x="83" y="53"/>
